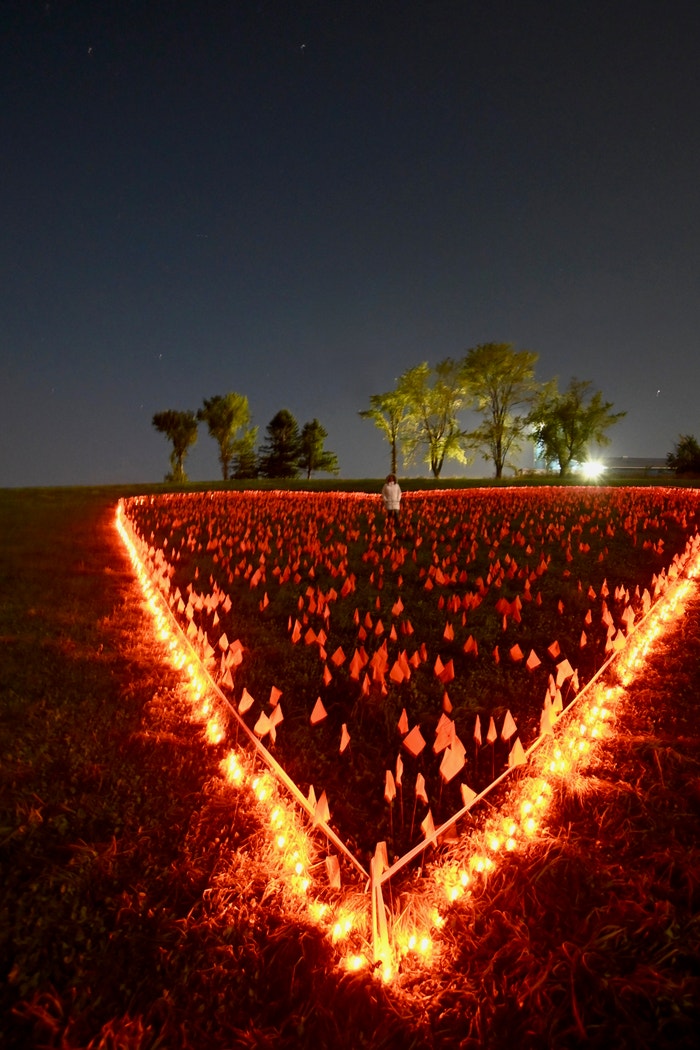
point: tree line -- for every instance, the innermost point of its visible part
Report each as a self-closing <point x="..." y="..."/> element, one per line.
<point x="421" y="416"/>
<point x="288" y="451"/>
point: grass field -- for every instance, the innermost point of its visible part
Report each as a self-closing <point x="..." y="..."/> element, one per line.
<point x="137" y="905"/>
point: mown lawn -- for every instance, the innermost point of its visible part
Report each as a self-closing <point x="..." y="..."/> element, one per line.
<point x="137" y="909"/>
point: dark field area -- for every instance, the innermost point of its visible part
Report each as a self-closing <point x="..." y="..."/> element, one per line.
<point x="137" y="904"/>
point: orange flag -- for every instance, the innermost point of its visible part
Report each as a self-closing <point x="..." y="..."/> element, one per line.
<point x="322" y="813"/>
<point x="421" y="793"/>
<point x="452" y="763"/>
<point x="403" y="722"/>
<point x="246" y="702"/>
<point x="509" y="727"/>
<point x="533" y="661"/>
<point x="414" y="742"/>
<point x="389" y="787"/>
<point x="344" y="738"/>
<point x="517" y="754"/>
<point x="319" y="713"/>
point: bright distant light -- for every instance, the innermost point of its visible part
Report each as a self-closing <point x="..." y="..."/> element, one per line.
<point x="592" y="469"/>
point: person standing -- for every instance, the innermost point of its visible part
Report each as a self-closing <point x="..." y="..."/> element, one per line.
<point x="391" y="494"/>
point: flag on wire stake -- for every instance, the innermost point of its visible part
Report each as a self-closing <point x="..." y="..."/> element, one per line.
<point x="399" y="786"/>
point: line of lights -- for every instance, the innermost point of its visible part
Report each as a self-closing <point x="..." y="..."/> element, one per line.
<point x="345" y="920"/>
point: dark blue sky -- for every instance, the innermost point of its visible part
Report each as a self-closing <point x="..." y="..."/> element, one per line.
<point x="299" y="201"/>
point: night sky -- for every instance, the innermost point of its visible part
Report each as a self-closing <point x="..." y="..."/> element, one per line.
<point x="299" y="201"/>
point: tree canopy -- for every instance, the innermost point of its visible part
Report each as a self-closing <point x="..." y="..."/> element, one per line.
<point x="180" y="428"/>
<point x="684" y="458"/>
<point x="433" y="397"/>
<point x="228" y="418"/>
<point x="498" y="381"/>
<point x="390" y="413"/>
<point x="279" y="456"/>
<point x="566" y="424"/>
<point x="313" y="457"/>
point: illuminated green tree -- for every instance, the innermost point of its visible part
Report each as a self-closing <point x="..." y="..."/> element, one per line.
<point x="313" y="457"/>
<point x="389" y="412"/>
<point x="433" y="398"/>
<point x="501" y="384"/>
<point x="180" y="428"/>
<point x="566" y="424"/>
<point x="228" y="418"/>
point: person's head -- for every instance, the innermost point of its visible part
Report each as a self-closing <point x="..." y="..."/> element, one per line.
<point x="390" y="479"/>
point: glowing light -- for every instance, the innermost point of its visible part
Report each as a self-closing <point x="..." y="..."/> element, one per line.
<point x="592" y="469"/>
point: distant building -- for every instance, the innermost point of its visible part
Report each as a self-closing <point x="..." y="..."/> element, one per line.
<point x="634" y="466"/>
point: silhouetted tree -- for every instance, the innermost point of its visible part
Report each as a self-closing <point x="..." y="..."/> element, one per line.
<point x="685" y="456"/>
<point x="313" y="457"/>
<point x="180" y="428"/>
<point x="279" y="456"/>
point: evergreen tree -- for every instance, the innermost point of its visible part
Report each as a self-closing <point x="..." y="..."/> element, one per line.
<point x="279" y="456"/>
<point x="312" y="455"/>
